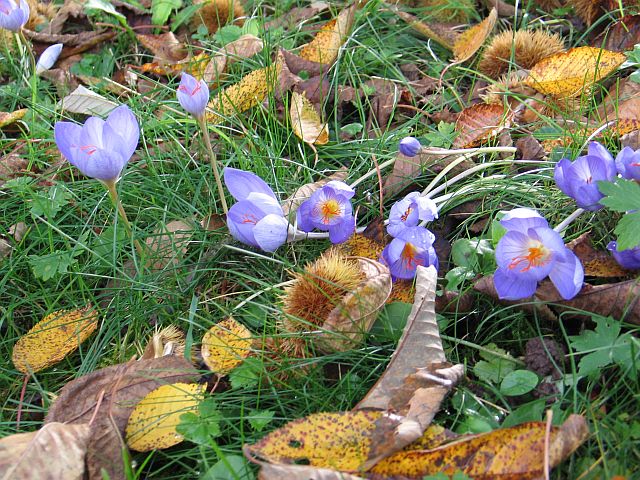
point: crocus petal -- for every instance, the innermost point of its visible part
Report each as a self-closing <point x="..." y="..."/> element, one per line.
<point x="511" y="255"/>
<point x="303" y="216"/>
<point x="567" y="275"/>
<point x="596" y="149"/>
<point x="588" y="197"/>
<point x="341" y="188"/>
<point x="522" y="219"/>
<point x="48" y="58"/>
<point x="193" y="95"/>
<point x="513" y="287"/>
<point x="328" y="208"/>
<point x="340" y="232"/>
<point x="268" y="205"/>
<point x="559" y="175"/>
<point x="271" y="232"/>
<point x="409" y="146"/>
<point x="104" y="165"/>
<point x="242" y="219"/>
<point x="12" y="16"/>
<point x="124" y="123"/>
<point x="427" y="209"/>
<point x="67" y="136"/>
<point x="628" y="163"/>
<point x="629" y="259"/>
<point x="91" y="135"/>
<point x="241" y="183"/>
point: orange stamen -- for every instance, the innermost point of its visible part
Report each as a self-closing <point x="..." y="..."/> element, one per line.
<point x="89" y="149"/>
<point x="406" y="214"/>
<point x="408" y="255"/>
<point x="329" y="209"/>
<point x="248" y="218"/>
<point x="537" y="257"/>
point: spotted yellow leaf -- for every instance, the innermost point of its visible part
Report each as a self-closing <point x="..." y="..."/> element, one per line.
<point x="470" y="41"/>
<point x="342" y="441"/>
<point x="306" y="121"/>
<point x="152" y="424"/>
<point x="327" y="42"/>
<point x="571" y="73"/>
<point x="225" y="346"/>
<point x="7" y="118"/>
<point x="53" y="338"/>
<point x="250" y="91"/>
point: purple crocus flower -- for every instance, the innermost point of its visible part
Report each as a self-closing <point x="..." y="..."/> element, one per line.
<point x="13" y="16"/>
<point x="329" y="209"/>
<point x="530" y="251"/>
<point x="193" y="95"/>
<point x="48" y="58"/>
<point x="628" y="163"/>
<point x="100" y="149"/>
<point x="409" y="211"/>
<point x="579" y="179"/>
<point x="629" y="259"/>
<point x="257" y="219"/>
<point x="409" y="146"/>
<point x="412" y="247"/>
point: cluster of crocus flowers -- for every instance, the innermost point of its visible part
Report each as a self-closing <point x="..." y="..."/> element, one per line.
<point x="257" y="218"/>
<point x="13" y="16"/>
<point x="412" y="244"/>
<point x="530" y="251"/>
<point x="100" y="149"/>
<point x="329" y="210"/>
<point x="579" y="179"/>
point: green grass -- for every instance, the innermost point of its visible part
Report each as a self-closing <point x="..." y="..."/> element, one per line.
<point x="170" y="179"/>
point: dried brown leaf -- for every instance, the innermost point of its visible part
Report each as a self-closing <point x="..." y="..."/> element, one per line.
<point x="470" y="41"/>
<point x="596" y="263"/>
<point x="165" y="47"/>
<point x="438" y="32"/>
<point x="621" y="36"/>
<point x="479" y="123"/>
<point x="54" y="452"/>
<point x="113" y="392"/>
<point x="169" y="243"/>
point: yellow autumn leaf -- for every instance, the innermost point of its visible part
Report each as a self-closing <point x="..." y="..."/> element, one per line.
<point x="225" y="346"/>
<point x="438" y="32"/>
<point x="327" y="42"/>
<point x="53" y="338"/>
<point x="571" y="73"/>
<point x="470" y="41"/>
<point x="342" y="440"/>
<point x="7" y="118"/>
<point x="152" y="424"/>
<point x="250" y="91"/>
<point x="306" y="121"/>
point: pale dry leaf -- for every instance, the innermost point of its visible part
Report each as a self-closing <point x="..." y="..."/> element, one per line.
<point x="7" y="118"/>
<point x="84" y="101"/>
<point x="572" y="73"/>
<point x="306" y="121"/>
<point x="301" y="472"/>
<point x="54" y="452"/>
<point x="438" y="32"/>
<point x="168" y="244"/>
<point x="470" y="41"/>
<point x="165" y="47"/>
<point x="327" y="42"/>
<point x="291" y="203"/>
<point x="350" y="320"/>
<point x="225" y="346"/>
<point x="152" y="424"/>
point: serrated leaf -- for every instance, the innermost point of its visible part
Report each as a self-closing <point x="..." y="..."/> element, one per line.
<point x="152" y="424"/>
<point x="49" y="205"/>
<point x="628" y="231"/>
<point x="258" y="419"/>
<point x="572" y="73"/>
<point x="621" y="196"/>
<point x="470" y="41"/>
<point x="84" y="101"/>
<point x="306" y="122"/>
<point x="53" y="338"/>
<point x="48" y="266"/>
<point x="225" y="346"/>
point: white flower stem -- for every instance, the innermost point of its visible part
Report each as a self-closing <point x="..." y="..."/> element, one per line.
<point x="372" y="173"/>
<point x="113" y="193"/>
<point x="569" y="220"/>
<point x="212" y="158"/>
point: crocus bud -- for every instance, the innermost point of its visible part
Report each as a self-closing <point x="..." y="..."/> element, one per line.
<point x="410" y="146"/>
<point x="13" y="16"/>
<point x="193" y="95"/>
<point x="48" y="58"/>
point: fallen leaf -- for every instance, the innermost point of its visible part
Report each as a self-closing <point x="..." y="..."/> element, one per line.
<point x="621" y="36"/>
<point x="55" y="451"/>
<point x="10" y="166"/>
<point x="341" y="441"/>
<point x="354" y="315"/>
<point x="70" y="8"/>
<point x="53" y="338"/>
<point x="572" y="73"/>
<point x="111" y="394"/>
<point x="299" y="472"/>
<point x="615" y="128"/>
<point x="83" y="100"/>
<point x="152" y="424"/>
<point x="327" y="42"/>
<point x="622" y="101"/>
<point x="74" y="43"/>
<point x="225" y="346"/>
<point x="306" y="122"/>
<point x="470" y="41"/>
<point x="418" y="348"/>
<point x="479" y="123"/>
<point x="517" y="452"/>
<point x="165" y="47"/>
<point x="168" y="244"/>
<point x="296" y="16"/>
<point x="595" y="263"/>
<point x="440" y="33"/>
<point x="291" y="203"/>
<point x="247" y="93"/>
<point x="7" y="118"/>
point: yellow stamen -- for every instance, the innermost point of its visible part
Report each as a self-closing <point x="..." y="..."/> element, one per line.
<point x="537" y="257"/>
